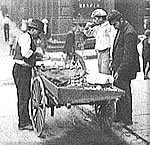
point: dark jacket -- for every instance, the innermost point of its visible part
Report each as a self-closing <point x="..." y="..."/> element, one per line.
<point x="146" y="50"/>
<point x="125" y="55"/>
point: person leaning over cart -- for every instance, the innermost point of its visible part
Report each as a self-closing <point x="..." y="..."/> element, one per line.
<point x="73" y="58"/>
<point x="25" y="59"/>
<point x="125" y="63"/>
<point x="104" y="34"/>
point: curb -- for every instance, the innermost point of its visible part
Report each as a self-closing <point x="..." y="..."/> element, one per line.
<point x="127" y="135"/>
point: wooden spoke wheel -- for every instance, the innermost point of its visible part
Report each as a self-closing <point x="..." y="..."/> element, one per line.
<point x="105" y="113"/>
<point x="37" y="105"/>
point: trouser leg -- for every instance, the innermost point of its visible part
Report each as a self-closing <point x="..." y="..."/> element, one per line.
<point x="5" y="34"/>
<point x="147" y="69"/>
<point x="124" y="105"/>
<point x="10" y="53"/>
<point x="7" y="31"/>
<point x="103" y="61"/>
<point x="144" y="65"/>
<point x="22" y="78"/>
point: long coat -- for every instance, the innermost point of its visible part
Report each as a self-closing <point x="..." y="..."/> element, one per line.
<point x="125" y="55"/>
<point x="69" y="46"/>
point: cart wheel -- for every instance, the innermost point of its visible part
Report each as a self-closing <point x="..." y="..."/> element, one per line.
<point x="37" y="105"/>
<point x="105" y="113"/>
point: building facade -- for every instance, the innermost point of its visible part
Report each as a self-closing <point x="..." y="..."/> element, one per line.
<point x="134" y="11"/>
<point x="147" y="15"/>
<point x="61" y="13"/>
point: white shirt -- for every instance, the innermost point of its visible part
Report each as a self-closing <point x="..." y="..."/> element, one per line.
<point x="6" y="20"/>
<point x="24" y="42"/>
<point x="104" y="34"/>
<point x="24" y="25"/>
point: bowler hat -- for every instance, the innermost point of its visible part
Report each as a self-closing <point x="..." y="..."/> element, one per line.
<point x="37" y="24"/>
<point x="114" y="15"/>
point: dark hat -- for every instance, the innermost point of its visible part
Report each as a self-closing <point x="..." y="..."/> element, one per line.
<point x="35" y="23"/>
<point x="114" y="15"/>
<point x="147" y="32"/>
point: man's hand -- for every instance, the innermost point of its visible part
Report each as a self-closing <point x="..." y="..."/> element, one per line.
<point x="88" y="25"/>
<point x="110" y="65"/>
<point x="110" y="80"/>
<point x="116" y="76"/>
<point x="29" y="53"/>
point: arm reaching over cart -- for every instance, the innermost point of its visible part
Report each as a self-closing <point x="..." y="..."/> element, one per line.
<point x="40" y="56"/>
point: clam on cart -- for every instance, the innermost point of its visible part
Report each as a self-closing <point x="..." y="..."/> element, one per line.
<point x="53" y="87"/>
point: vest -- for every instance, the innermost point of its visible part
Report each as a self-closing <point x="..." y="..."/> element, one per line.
<point x="32" y="59"/>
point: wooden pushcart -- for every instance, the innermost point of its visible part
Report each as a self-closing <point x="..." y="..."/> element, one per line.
<point x="51" y="89"/>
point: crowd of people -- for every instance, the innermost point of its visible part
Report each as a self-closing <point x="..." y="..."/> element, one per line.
<point x="116" y="48"/>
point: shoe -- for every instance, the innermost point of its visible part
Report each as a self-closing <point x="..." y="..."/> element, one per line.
<point x="27" y="127"/>
<point x="146" y="77"/>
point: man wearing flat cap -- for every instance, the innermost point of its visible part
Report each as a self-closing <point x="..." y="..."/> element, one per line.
<point x="25" y="58"/>
<point x="103" y="32"/>
<point x="125" y="63"/>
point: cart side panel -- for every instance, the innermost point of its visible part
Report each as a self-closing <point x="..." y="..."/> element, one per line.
<point x="52" y="88"/>
<point x="75" y="95"/>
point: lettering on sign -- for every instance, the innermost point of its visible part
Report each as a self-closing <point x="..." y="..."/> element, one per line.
<point x="91" y="5"/>
<point x="84" y="8"/>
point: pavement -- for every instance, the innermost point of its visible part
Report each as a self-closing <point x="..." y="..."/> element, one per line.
<point x="139" y="132"/>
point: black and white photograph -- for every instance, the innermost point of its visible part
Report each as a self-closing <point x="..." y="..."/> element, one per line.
<point x="75" y="72"/>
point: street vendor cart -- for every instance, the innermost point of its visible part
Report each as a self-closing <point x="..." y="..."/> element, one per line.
<point x="54" y="86"/>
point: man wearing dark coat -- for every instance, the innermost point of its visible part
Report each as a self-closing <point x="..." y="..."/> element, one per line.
<point x="125" y="63"/>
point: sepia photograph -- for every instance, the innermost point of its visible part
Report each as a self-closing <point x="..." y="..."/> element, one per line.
<point x="75" y="72"/>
